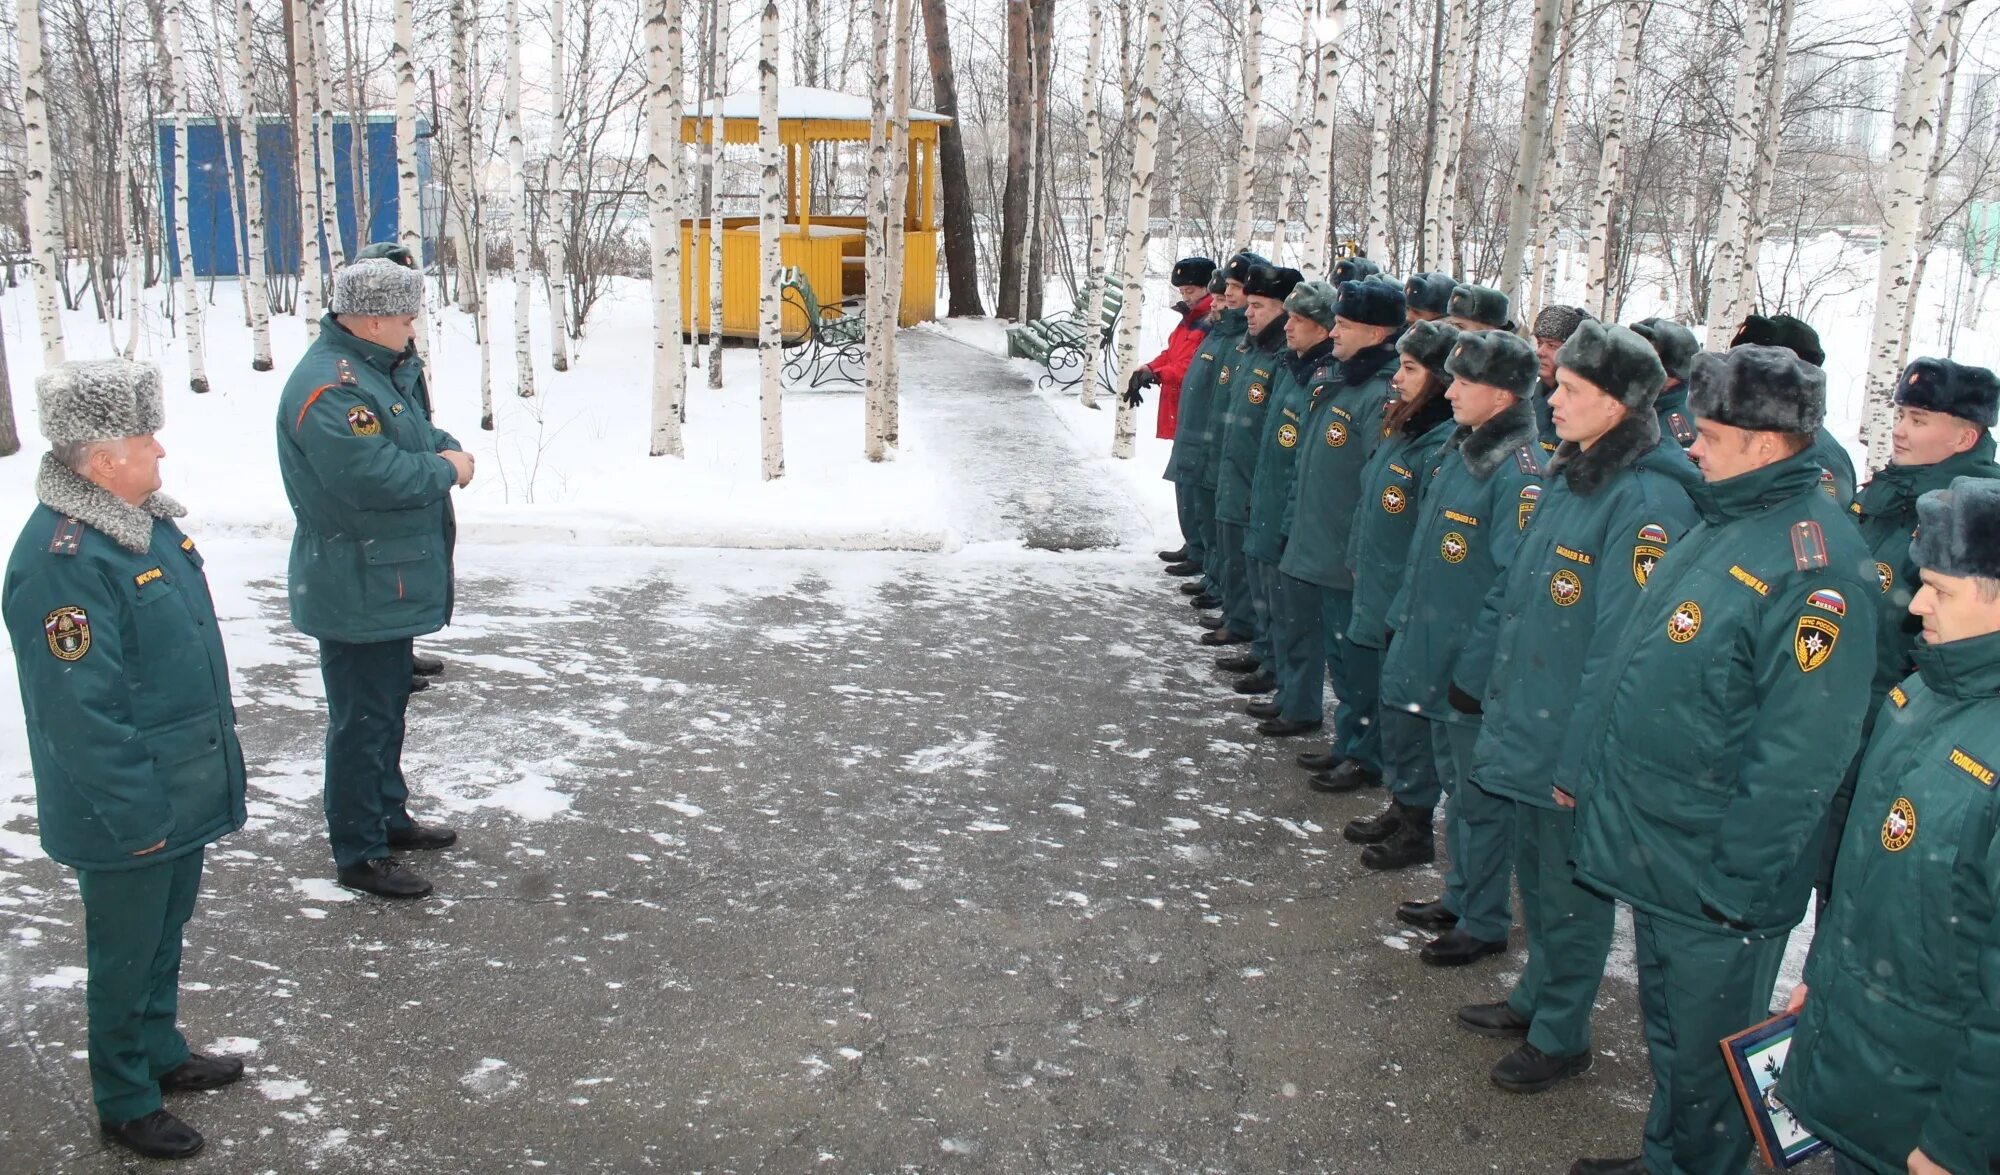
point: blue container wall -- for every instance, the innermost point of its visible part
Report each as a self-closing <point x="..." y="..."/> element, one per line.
<point x="213" y="235"/>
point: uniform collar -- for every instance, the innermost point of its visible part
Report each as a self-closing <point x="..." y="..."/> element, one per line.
<point x="1489" y="445"/>
<point x="373" y="354"/>
<point x="1895" y="488"/>
<point x="1303" y="361"/>
<point x="1756" y="491"/>
<point x="1271" y="338"/>
<point x="69" y="493"/>
<point x="1229" y="324"/>
<point x="1368" y="361"/>
<point x="1961" y="669"/>
<point x="1587" y="470"/>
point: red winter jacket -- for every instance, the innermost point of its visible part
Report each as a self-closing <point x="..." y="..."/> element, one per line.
<point x="1171" y="364"/>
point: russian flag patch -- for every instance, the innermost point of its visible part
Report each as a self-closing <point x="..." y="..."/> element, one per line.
<point x="1829" y="600"/>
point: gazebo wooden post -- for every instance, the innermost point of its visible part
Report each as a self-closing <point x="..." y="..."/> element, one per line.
<point x="805" y="195"/>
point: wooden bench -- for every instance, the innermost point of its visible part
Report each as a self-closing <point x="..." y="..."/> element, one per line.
<point x="833" y="348"/>
<point x="1059" y="341"/>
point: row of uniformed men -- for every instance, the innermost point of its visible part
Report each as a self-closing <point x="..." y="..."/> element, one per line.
<point x="1638" y="673"/>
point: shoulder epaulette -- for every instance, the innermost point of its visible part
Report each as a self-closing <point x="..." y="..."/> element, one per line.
<point x="1808" y="546"/>
<point x="1524" y="459"/>
<point x="68" y="537"/>
<point x="345" y="370"/>
<point x="1682" y="430"/>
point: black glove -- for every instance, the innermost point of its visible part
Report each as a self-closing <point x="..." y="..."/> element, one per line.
<point x="1142" y="378"/>
<point x="1463" y="702"/>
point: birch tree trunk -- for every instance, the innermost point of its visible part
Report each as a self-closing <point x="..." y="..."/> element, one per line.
<point x="1611" y="161"/>
<point x="663" y="110"/>
<point x="409" y="202"/>
<point x="557" y="169"/>
<point x="875" y="425"/>
<point x="190" y="289"/>
<point x="1377" y="237"/>
<point x="44" y="233"/>
<point x="1317" y="259"/>
<point x="517" y="211"/>
<point x="1732" y="228"/>
<point x="1096" y="230"/>
<point x="1461" y="133"/>
<point x="1138" y="211"/>
<point x="135" y="248"/>
<point x="471" y="242"/>
<point x="257" y="291"/>
<point x="1766" y="165"/>
<point x="1909" y="162"/>
<point x="1547" y="225"/>
<point x="899" y="190"/>
<point x="305" y="173"/>
<point x="1444" y="160"/>
<point x="720" y="67"/>
<point x="1253" y="97"/>
<point x="322" y="69"/>
<point x="770" y="218"/>
<point x="1927" y="233"/>
<point x="10" y="433"/>
<point x="1295" y="144"/>
<point x="1528" y="159"/>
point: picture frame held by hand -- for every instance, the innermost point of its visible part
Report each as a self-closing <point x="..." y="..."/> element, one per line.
<point x="1756" y="1062"/>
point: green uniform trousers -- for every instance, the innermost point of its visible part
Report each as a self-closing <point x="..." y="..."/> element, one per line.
<point x="1238" y="607"/>
<point x="1357" y="682"/>
<point x="1262" y="591"/>
<point x="1409" y="768"/>
<point x="132" y="920"/>
<point x="1696" y="987"/>
<point x="1204" y="524"/>
<point x="367" y="693"/>
<point x="1568" y="931"/>
<point x="1298" y="644"/>
<point x="1479" y="835"/>
<point x="1184" y="508"/>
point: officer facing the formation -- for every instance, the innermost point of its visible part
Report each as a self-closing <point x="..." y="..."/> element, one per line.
<point x="1477" y="308"/>
<point x="1341" y="433"/>
<point x="1473" y="513"/>
<point x="1193" y="429"/>
<point x="369" y="478"/>
<point x="1246" y="398"/>
<point x="1896" y="1058"/>
<point x="1676" y="346"/>
<point x="1797" y="336"/>
<point x="1234" y="351"/>
<point x="1616" y="497"/>
<point x="1553" y="327"/>
<point x="1427" y="296"/>
<point x="131" y="729"/>
<point x="1719" y="726"/>
<point x="1190" y="280"/>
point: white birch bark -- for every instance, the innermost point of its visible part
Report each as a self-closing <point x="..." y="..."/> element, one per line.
<point x="1541" y="273"/>
<point x="409" y="202"/>
<point x="1909" y="163"/>
<point x="258" y="291"/>
<point x="1611" y="161"/>
<point x="1317" y="260"/>
<point x="517" y="211"/>
<point x="135" y="249"/>
<point x="1725" y="301"/>
<point x="190" y="288"/>
<point x="1528" y="159"/>
<point x="1137" y="213"/>
<point x="1376" y="240"/>
<point x="875" y="439"/>
<point x="899" y="190"/>
<point x="1765" y="166"/>
<point x="770" y="258"/>
<point x="1253" y="98"/>
<point x="226" y="130"/>
<point x="663" y="111"/>
<point x="1927" y="231"/>
<point x="715" y="146"/>
<point x="557" y="170"/>
<point x="1030" y="222"/>
<point x="322" y="69"/>
<point x="1444" y="159"/>
<point x="1096" y="231"/>
<point x="1295" y="144"/>
<point x="470" y="244"/>
<point x="1461" y="133"/>
<point x="305" y="169"/>
<point x="44" y="233"/>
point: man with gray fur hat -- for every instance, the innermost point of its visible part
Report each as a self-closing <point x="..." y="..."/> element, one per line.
<point x="1554" y="325"/>
<point x="1718" y="726"/>
<point x="1676" y="346"/>
<point x="369" y="478"/>
<point x="131" y="729"/>
<point x="1476" y="308"/>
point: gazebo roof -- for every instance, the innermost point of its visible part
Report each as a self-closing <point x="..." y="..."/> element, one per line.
<point x="804" y="112"/>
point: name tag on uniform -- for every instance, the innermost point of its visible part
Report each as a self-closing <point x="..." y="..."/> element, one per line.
<point x="147" y="576"/>
<point x="1574" y="556"/>
<point x="1972" y="767"/>
<point x="1467" y="519"/>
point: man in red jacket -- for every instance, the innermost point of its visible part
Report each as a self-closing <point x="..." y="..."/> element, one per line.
<point x="1190" y="278"/>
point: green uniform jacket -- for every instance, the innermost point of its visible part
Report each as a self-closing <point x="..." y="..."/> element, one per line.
<point x="1836" y="478"/>
<point x="1245" y="400"/>
<point x="1385" y="516"/>
<point x="1302" y="380"/>
<point x="1342" y="432"/>
<point x="1887" y="514"/>
<point x="1471" y="519"/>
<point x="372" y="551"/>
<point x="1237" y="355"/>
<point x="1898" y="1045"/>
<point x="1730" y="708"/>
<point x="1546" y="437"/>
<point x="1606" y="516"/>
<point x="1676" y="418"/>
<point x="131" y="728"/>
<point x="1194" y="431"/>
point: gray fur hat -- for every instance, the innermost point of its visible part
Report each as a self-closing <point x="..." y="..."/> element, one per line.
<point x="1314" y="300"/>
<point x="1558" y="322"/>
<point x="1675" y="343"/>
<point x="1617" y="360"/>
<point x="1429" y="291"/>
<point x="1764" y="389"/>
<point x="99" y="400"/>
<point x="1353" y="269"/>
<point x="1481" y="304"/>
<point x="377" y="288"/>
<point x="1958" y="530"/>
<point x="390" y="249"/>
<point x="1496" y="358"/>
<point x="1955" y="389"/>
<point x="1430" y="343"/>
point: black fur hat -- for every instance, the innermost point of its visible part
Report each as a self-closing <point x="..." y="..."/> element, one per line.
<point x="1192" y="271"/>
<point x="1371" y="301"/>
<point x="1353" y="269"/>
<point x="1782" y="330"/>
<point x="1496" y="358"/>
<point x="1429" y="343"/>
<point x="1239" y="266"/>
<point x="1958" y="530"/>
<point x="1559" y="322"/>
<point x="1272" y="281"/>
<point x="1482" y="304"/>
<point x="1764" y="389"/>
<point x="1675" y="343"/>
<point x="1939" y="385"/>
<point x="1429" y="291"/>
<point x="1219" y="281"/>
<point x="1617" y="360"/>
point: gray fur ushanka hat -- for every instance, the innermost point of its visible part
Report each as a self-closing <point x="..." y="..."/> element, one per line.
<point x="1617" y="360"/>
<point x="1481" y="304"/>
<point x="1496" y="358"/>
<point x="1353" y="269"/>
<point x="99" y="400"/>
<point x="1430" y="343"/>
<point x="1675" y="343"/>
<point x="1763" y="389"/>
<point x="1558" y="322"/>
<point x="377" y="288"/>
<point x="1955" y="389"/>
<point x="1429" y="292"/>
<point x="1314" y="300"/>
<point x="1958" y="530"/>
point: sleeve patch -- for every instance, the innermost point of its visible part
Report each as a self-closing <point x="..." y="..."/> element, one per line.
<point x="1808" y="546"/>
<point x="1653" y="532"/>
<point x="68" y="632"/>
<point x="363" y="422"/>
<point x="1897" y="696"/>
<point x="1813" y="641"/>
<point x="1828" y="600"/>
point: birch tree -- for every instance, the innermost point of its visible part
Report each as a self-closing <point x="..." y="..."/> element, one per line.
<point x="517" y="210"/>
<point x="558" y="164"/>
<point x="1317" y="258"/>
<point x="44" y="232"/>
<point x="1146" y="133"/>
<point x="1246" y="151"/>
<point x="1295" y="143"/>
<point x="176" y="14"/>
<point x="1377" y="237"/>
<point x="322" y="73"/>
<point x="470" y="243"/>
<point x="1732" y="229"/>
<point x="1528" y="159"/>
<point x="1444" y="160"/>
<point x="719" y="19"/>
<point x="312" y="263"/>
<point x="770" y="260"/>
<point x="257" y="291"/>
<point x="875" y="439"/>
<point x="1909" y="162"/>
<point x="1765" y="167"/>
<point x="1548" y="225"/>
<point x="899" y="188"/>
<point x="663" y="113"/>
<point x="1927" y="233"/>
<point x="1096" y="230"/>
<point x="1611" y="161"/>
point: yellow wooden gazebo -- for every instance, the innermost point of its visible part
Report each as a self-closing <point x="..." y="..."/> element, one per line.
<point x="830" y="250"/>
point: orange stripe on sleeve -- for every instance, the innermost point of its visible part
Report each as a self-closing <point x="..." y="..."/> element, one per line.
<point x="301" y="421"/>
